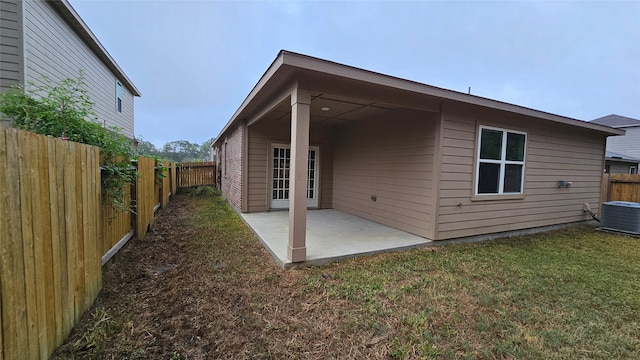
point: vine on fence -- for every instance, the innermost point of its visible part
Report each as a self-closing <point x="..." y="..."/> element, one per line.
<point x="65" y="110"/>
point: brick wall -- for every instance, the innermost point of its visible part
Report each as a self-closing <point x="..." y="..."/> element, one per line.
<point x="231" y="166"/>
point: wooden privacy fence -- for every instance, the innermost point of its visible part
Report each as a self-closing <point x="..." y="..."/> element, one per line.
<point x="620" y="187"/>
<point x="50" y="269"/>
<point x="55" y="234"/>
<point x="196" y="174"/>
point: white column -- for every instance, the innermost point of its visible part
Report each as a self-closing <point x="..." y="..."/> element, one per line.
<point x="300" y="117"/>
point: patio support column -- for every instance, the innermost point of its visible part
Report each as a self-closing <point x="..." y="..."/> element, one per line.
<point x="300" y="117"/>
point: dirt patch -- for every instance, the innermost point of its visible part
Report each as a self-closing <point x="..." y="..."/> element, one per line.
<point x="192" y="289"/>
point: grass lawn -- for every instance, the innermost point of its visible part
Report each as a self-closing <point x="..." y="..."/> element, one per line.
<point x="567" y="294"/>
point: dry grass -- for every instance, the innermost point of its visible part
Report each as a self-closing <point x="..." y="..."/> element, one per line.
<point x="200" y="286"/>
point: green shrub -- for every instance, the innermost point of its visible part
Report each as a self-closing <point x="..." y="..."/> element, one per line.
<point x="65" y="110"/>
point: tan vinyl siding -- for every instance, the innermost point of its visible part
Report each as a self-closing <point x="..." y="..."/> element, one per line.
<point x="390" y="157"/>
<point x="554" y="152"/>
<point x="261" y="136"/>
<point x="258" y="170"/>
<point x="11" y="66"/>
<point x="44" y="27"/>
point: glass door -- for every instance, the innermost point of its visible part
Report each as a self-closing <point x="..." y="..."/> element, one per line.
<point x="280" y="171"/>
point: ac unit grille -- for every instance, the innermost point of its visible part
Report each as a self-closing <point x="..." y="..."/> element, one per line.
<point x="621" y="216"/>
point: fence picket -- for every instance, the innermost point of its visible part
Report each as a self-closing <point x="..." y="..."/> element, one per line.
<point x="196" y="174"/>
<point x="14" y="321"/>
<point x="56" y="203"/>
<point x="54" y="233"/>
<point x="621" y="187"/>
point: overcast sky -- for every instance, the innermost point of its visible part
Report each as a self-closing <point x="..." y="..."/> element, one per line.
<point x="195" y="61"/>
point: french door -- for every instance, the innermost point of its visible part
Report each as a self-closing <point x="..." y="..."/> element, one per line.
<point x="280" y="166"/>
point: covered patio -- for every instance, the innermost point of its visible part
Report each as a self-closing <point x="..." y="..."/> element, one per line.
<point x="330" y="235"/>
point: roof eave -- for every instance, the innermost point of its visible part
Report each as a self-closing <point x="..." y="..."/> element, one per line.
<point x="304" y="62"/>
<point x="69" y="14"/>
<point x="314" y="64"/>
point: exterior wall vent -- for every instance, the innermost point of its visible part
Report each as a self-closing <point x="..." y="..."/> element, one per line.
<point x="621" y="216"/>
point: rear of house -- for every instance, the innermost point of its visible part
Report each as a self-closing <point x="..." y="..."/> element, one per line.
<point x="49" y="39"/>
<point x="432" y="162"/>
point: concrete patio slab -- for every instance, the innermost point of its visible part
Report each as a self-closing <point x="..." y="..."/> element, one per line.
<point x="331" y="235"/>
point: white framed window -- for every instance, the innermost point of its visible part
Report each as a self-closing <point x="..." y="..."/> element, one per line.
<point x="633" y="170"/>
<point x="118" y="97"/>
<point x="500" y="161"/>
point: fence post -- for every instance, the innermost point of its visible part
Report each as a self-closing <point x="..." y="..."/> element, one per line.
<point x="605" y="187"/>
<point x="134" y="200"/>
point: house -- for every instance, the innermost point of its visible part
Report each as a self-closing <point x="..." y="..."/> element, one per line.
<point x="49" y="39"/>
<point x="440" y="164"/>
<point x="616" y="163"/>
<point x="627" y="145"/>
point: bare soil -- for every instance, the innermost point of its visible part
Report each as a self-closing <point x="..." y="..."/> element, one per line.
<point x="200" y="291"/>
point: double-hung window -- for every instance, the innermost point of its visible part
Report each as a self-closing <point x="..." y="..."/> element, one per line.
<point x="500" y="161"/>
<point x="118" y="97"/>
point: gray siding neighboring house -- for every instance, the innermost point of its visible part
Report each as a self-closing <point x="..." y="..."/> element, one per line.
<point x="49" y="39"/>
<point x="404" y="154"/>
<point x="616" y="163"/>
<point x="629" y="144"/>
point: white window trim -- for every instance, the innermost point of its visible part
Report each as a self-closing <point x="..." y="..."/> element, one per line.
<point x="633" y="170"/>
<point x="502" y="162"/>
<point x="284" y="204"/>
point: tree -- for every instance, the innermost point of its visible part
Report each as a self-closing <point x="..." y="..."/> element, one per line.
<point x="146" y="148"/>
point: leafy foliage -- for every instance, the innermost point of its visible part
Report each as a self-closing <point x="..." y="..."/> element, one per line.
<point x="65" y="110"/>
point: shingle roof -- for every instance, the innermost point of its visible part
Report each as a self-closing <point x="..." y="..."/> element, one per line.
<point x="610" y="155"/>
<point x="616" y="121"/>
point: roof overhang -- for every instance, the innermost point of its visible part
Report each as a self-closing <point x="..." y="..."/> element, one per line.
<point x="291" y="69"/>
<point x="69" y="14"/>
<point x="613" y="156"/>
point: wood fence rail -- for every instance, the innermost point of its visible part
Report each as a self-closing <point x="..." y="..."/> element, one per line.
<point x="196" y="174"/>
<point x="620" y="187"/>
<point x="55" y="235"/>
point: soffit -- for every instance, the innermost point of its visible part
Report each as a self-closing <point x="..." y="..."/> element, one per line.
<point x="330" y="109"/>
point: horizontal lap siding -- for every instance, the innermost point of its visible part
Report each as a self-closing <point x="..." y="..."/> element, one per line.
<point x="53" y="49"/>
<point x="261" y="136"/>
<point x="554" y="152"/>
<point x="258" y="162"/>
<point x="389" y="157"/>
<point x="10" y="44"/>
<point x="620" y="167"/>
<point x="627" y="144"/>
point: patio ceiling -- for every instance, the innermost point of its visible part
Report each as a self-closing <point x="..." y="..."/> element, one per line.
<point x="332" y="110"/>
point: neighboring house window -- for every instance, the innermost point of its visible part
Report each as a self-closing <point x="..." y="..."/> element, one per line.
<point x="633" y="170"/>
<point x="118" y="96"/>
<point x="500" y="165"/>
